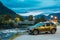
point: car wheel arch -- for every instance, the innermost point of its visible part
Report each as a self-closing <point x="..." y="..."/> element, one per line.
<point x="53" y="29"/>
<point x="36" y="30"/>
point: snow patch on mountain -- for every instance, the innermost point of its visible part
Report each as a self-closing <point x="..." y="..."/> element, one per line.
<point x="35" y="13"/>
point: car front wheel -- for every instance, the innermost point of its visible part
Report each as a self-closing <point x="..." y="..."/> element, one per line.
<point x="35" y="32"/>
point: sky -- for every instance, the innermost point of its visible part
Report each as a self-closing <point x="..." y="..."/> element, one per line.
<point x="33" y="7"/>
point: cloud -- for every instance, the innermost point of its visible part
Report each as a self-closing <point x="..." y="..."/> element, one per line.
<point x="57" y="12"/>
<point x="46" y="14"/>
<point x="34" y="13"/>
<point x="27" y="5"/>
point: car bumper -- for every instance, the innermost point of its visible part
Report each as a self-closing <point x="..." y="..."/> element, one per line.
<point x="29" y="31"/>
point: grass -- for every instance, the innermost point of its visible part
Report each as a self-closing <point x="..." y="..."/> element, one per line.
<point x="0" y="38"/>
<point x="14" y="36"/>
<point x="58" y="24"/>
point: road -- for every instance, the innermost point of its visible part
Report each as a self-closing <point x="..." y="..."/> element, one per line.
<point x="41" y="36"/>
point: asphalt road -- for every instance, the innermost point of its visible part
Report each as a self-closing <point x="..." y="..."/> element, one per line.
<point x="41" y="36"/>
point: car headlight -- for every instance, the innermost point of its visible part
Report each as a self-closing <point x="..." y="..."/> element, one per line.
<point x="31" y="28"/>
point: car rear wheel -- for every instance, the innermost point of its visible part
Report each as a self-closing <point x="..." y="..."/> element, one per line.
<point x="35" y="32"/>
<point x="53" y="31"/>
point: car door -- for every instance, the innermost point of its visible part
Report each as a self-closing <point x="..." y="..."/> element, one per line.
<point x="47" y="27"/>
<point x="41" y="28"/>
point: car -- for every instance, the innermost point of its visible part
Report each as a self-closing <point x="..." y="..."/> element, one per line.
<point x="42" y="27"/>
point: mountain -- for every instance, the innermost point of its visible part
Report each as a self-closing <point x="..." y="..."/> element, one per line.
<point x="48" y="17"/>
<point x="4" y="11"/>
<point x="38" y="16"/>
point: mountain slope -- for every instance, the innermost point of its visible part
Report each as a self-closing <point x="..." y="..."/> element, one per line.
<point x="4" y="11"/>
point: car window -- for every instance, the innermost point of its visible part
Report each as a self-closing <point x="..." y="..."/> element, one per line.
<point x="39" y="24"/>
<point x="52" y="23"/>
<point x="47" y="24"/>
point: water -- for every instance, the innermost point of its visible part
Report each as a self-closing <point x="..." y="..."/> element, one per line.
<point x="6" y="36"/>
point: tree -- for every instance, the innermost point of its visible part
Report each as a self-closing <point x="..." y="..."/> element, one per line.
<point x="37" y="20"/>
<point x="18" y="18"/>
<point x="30" y="18"/>
<point x="7" y="17"/>
<point x="21" y="18"/>
<point x="0" y="38"/>
<point x="42" y="18"/>
<point x="2" y="19"/>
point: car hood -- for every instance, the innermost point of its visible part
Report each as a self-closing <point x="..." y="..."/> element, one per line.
<point x="30" y="27"/>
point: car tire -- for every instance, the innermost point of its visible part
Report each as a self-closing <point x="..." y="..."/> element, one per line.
<point x="35" y="32"/>
<point x="53" y="31"/>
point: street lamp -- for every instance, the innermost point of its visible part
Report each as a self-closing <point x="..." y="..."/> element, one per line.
<point x="52" y="17"/>
<point x="55" y="17"/>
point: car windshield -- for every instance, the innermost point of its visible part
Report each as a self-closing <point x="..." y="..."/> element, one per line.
<point x="39" y="24"/>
